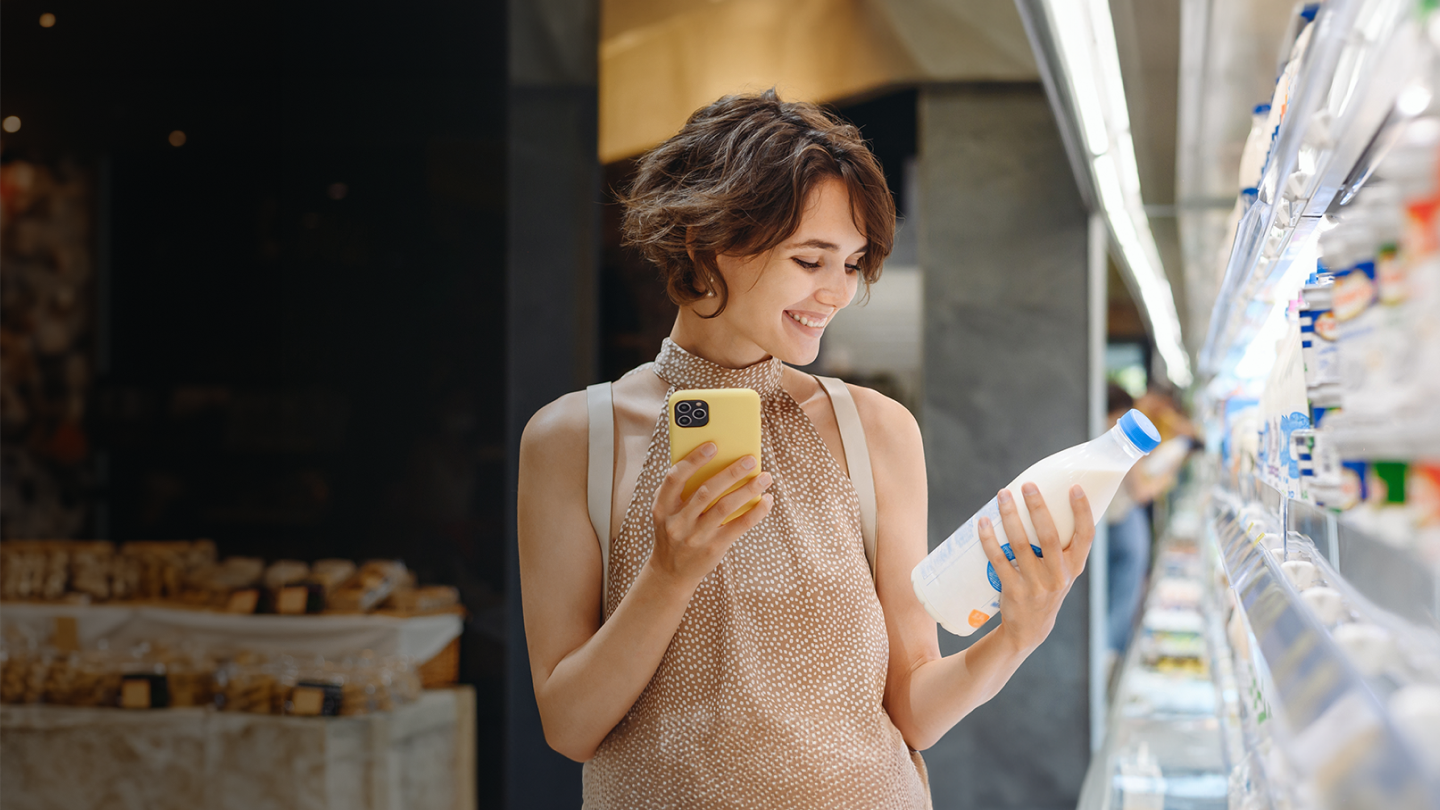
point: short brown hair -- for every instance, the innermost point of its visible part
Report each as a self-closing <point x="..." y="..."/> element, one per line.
<point x="734" y="181"/>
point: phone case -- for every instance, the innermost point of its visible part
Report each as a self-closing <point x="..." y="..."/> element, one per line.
<point x="731" y="420"/>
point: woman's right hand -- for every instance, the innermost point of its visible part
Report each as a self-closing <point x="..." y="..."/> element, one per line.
<point x="689" y="540"/>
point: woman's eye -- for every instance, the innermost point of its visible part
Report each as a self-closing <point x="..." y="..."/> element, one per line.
<point x="852" y="268"/>
<point x="807" y="265"/>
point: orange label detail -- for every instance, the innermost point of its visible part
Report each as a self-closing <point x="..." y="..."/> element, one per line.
<point x="977" y="618"/>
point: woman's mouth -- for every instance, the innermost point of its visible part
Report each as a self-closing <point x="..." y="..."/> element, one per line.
<point x="810" y="320"/>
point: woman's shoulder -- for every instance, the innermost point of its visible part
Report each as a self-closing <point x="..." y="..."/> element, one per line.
<point x="889" y="426"/>
<point x="559" y="424"/>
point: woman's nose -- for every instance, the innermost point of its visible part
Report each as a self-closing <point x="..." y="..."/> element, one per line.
<point x="837" y="290"/>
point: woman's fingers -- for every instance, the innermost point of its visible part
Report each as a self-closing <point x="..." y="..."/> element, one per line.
<point x="1009" y="577"/>
<point x="1020" y="550"/>
<point x="726" y="506"/>
<point x="713" y="489"/>
<point x="1079" y="549"/>
<point x="732" y="530"/>
<point x="1045" y="531"/>
<point x="667" y="497"/>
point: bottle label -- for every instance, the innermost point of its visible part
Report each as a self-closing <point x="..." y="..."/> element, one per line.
<point x="961" y="541"/>
<point x="1354" y="291"/>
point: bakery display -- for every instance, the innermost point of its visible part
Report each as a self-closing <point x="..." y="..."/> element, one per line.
<point x="190" y="573"/>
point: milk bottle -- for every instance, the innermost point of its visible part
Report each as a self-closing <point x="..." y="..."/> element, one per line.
<point x="957" y="584"/>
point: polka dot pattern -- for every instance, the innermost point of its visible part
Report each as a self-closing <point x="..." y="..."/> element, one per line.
<point x="770" y="694"/>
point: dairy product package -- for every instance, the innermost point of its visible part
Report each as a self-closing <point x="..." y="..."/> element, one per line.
<point x="1284" y="409"/>
<point x="1257" y="145"/>
<point x="957" y="583"/>
<point x="1318" y="333"/>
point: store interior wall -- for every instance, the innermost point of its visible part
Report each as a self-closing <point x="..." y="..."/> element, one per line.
<point x="1003" y="250"/>
<point x="552" y="267"/>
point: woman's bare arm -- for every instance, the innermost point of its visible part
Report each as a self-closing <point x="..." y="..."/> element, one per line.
<point x="588" y="675"/>
<point x="927" y="694"/>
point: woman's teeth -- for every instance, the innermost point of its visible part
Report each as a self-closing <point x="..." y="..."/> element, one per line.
<point x="820" y="324"/>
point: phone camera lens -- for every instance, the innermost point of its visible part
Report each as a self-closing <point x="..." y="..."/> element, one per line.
<point x="699" y="413"/>
<point x="682" y="407"/>
<point x="683" y="421"/>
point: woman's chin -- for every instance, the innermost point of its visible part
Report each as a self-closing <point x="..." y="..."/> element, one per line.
<point x="798" y="353"/>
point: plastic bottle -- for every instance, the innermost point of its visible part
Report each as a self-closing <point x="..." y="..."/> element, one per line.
<point x="1252" y="157"/>
<point x="957" y="584"/>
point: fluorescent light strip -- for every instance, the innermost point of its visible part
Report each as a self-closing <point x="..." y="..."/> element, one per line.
<point x="1085" y="37"/>
<point x="1071" y="29"/>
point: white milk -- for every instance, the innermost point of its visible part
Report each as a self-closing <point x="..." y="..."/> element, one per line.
<point x="958" y="585"/>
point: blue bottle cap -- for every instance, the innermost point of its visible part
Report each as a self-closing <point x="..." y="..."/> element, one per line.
<point x="1262" y="108"/>
<point x="1140" y="431"/>
<point x="1308" y="12"/>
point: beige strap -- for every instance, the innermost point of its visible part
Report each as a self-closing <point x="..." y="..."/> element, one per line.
<point x="857" y="458"/>
<point x="600" y="479"/>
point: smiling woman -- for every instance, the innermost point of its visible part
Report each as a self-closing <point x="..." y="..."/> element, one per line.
<point x="780" y="659"/>
<point x="736" y="181"/>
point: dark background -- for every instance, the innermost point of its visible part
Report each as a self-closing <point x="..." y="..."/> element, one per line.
<point x="300" y="311"/>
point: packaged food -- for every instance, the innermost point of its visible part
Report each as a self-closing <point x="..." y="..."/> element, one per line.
<point x="23" y="672"/>
<point x="90" y="564"/>
<point x="369" y="587"/>
<point x="189" y="673"/>
<point x="317" y="692"/>
<point x="242" y="686"/>
<point x="90" y="678"/>
<point x="331" y="573"/>
<point x="285" y="572"/>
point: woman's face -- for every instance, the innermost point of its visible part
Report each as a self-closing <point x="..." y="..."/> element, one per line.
<point x="782" y="300"/>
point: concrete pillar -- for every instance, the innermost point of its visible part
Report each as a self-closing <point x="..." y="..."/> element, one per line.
<point x="552" y="270"/>
<point x="1003" y="239"/>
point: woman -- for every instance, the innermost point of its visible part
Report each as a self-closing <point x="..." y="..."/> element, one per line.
<point x="756" y="663"/>
<point x="1129" y="539"/>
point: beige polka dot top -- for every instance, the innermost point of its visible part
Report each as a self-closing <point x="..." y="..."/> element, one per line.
<point x="770" y="693"/>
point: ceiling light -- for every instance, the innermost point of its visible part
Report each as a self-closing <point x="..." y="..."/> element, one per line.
<point x="1084" y="35"/>
<point x="11" y="123"/>
<point x="47" y="20"/>
<point x="177" y="138"/>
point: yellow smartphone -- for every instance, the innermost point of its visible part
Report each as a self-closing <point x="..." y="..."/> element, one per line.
<point x="729" y="417"/>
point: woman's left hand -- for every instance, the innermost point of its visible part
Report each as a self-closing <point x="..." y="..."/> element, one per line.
<point x="1033" y="589"/>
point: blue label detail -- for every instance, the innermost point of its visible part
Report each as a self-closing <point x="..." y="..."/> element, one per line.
<point x="994" y="577"/>
<point x="1010" y="555"/>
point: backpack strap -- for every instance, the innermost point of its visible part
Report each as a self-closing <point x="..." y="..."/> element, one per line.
<point x="857" y="458"/>
<point x="600" y="479"/>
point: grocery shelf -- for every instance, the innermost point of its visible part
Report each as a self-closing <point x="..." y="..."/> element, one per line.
<point x="1166" y="743"/>
<point x="1387" y="572"/>
<point x="1341" y="116"/>
<point x="1327" y="711"/>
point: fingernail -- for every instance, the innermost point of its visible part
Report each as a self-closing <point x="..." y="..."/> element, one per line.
<point x="1030" y="490"/>
<point x="748" y="462"/>
<point x="1005" y="497"/>
<point x="708" y="449"/>
<point x="984" y="523"/>
<point x="766" y="479"/>
<point x="1077" y="492"/>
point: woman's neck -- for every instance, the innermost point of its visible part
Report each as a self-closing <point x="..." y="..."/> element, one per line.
<point x="713" y="340"/>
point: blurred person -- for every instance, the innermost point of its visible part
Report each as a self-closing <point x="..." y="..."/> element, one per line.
<point x="758" y="663"/>
<point x="1128" y="523"/>
<point x="1165" y="413"/>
